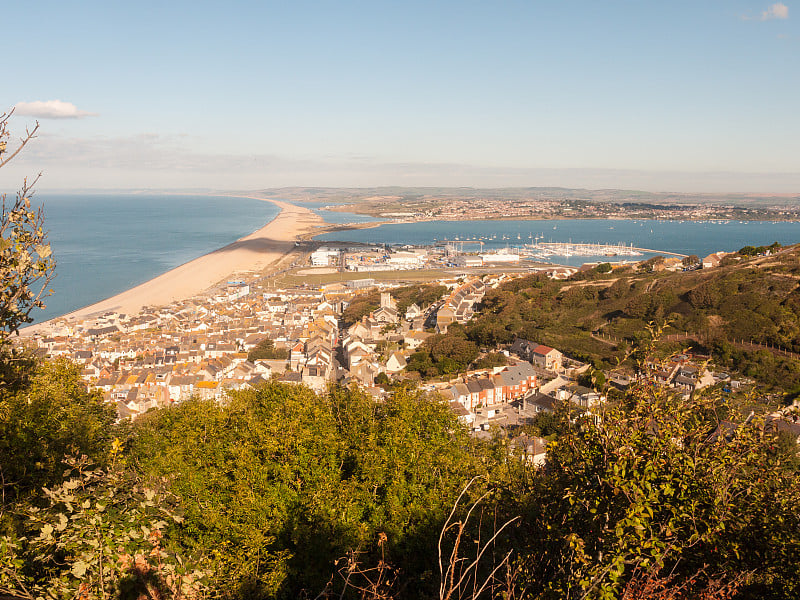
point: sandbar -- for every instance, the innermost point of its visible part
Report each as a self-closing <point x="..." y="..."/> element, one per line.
<point x="252" y="253"/>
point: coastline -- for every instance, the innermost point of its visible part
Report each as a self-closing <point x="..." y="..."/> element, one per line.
<point x="259" y="253"/>
<point x="255" y="252"/>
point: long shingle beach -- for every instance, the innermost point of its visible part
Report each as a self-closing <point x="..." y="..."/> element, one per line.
<point x="252" y="253"/>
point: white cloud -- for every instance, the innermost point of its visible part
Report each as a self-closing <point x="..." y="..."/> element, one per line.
<point x="776" y="11"/>
<point x="50" y="109"/>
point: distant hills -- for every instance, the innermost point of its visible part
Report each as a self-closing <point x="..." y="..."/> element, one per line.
<point x="357" y="195"/>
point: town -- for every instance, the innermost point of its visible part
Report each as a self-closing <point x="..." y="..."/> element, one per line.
<point x="244" y="333"/>
<point x="547" y="203"/>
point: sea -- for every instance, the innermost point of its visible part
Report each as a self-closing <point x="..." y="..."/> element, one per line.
<point x="106" y="243"/>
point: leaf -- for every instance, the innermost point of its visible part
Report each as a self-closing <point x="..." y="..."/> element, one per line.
<point x="62" y="522"/>
<point x="79" y="568"/>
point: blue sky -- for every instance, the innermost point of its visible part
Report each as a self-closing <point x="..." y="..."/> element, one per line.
<point x="684" y="96"/>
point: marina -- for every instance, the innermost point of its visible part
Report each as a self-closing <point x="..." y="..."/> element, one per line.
<point x="547" y="250"/>
<point x="602" y="236"/>
<point x="543" y="250"/>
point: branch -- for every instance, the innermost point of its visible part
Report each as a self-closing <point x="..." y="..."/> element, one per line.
<point x="30" y="134"/>
<point x="449" y="585"/>
<point x="447" y="525"/>
<point x="475" y="562"/>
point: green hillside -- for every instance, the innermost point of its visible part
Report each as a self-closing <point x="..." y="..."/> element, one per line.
<point x="597" y="316"/>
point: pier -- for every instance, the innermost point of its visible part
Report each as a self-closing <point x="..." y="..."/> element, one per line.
<point x="678" y="254"/>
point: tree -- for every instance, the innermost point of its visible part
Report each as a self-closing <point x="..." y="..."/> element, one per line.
<point x="279" y="482"/>
<point x="266" y="350"/>
<point x="26" y="262"/>
<point x="616" y="290"/>
<point x="491" y="360"/>
<point x="657" y="492"/>
<point x="705" y="295"/>
<point x="452" y="351"/>
<point x="45" y="411"/>
<point x="651" y="264"/>
<point x="360" y="307"/>
<point x="52" y="416"/>
<point x="422" y="363"/>
<point x="603" y="268"/>
<point x="639" y="307"/>
<point x="690" y="261"/>
<point x="593" y="378"/>
<point x="421" y="295"/>
<point x="546" y="423"/>
<point x="489" y="331"/>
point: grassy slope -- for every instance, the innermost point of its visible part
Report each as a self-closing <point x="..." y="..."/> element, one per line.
<point x="755" y="299"/>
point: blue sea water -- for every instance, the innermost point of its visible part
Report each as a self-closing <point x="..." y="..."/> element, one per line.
<point x="105" y="244"/>
<point x="684" y="237"/>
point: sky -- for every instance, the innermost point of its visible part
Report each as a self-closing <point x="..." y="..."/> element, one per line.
<point x="698" y="95"/>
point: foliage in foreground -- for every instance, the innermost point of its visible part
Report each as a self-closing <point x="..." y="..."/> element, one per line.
<point x="659" y="489"/>
<point x="99" y="534"/>
<point x="26" y="261"/>
<point x="280" y="483"/>
<point x="655" y="497"/>
<point x="51" y="416"/>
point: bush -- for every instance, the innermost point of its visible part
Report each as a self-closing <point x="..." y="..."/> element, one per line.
<point x="266" y="350"/>
<point x="100" y="533"/>
<point x="52" y="416"/>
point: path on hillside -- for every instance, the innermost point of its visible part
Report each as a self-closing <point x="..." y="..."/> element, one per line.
<point x="681" y="337"/>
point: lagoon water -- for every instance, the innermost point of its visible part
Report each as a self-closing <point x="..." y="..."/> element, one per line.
<point x="104" y="244"/>
<point x="684" y="237"/>
<point x="336" y="217"/>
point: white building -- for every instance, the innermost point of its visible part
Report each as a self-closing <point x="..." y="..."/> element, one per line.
<point x="501" y="256"/>
<point x="322" y="257"/>
<point x="469" y="261"/>
<point x="406" y="260"/>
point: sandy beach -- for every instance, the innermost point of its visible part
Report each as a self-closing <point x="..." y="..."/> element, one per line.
<point x="252" y="253"/>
